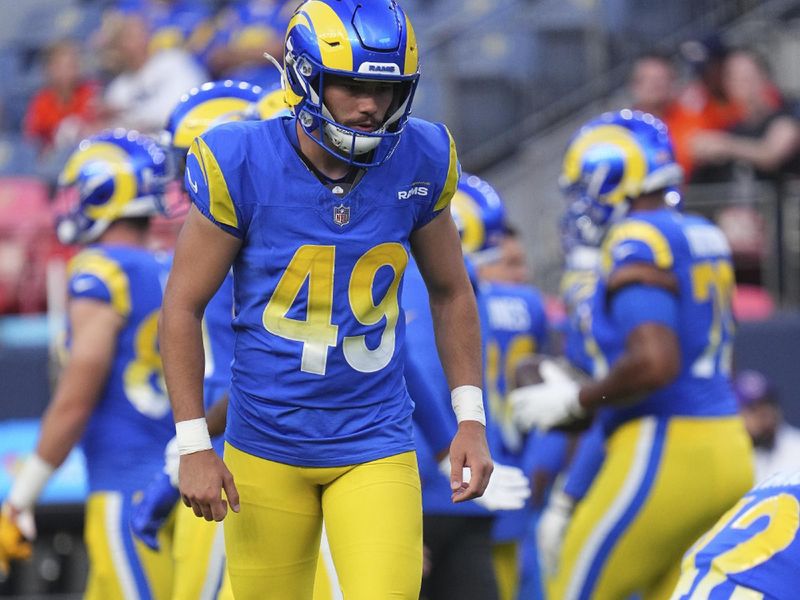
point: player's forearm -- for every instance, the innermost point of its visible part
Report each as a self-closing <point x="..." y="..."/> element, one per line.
<point x="217" y="417"/>
<point x="181" y="343"/>
<point x="62" y="427"/>
<point x="458" y="337"/>
<point x="65" y="419"/>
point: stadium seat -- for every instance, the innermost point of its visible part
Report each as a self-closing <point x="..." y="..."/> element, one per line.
<point x="26" y="240"/>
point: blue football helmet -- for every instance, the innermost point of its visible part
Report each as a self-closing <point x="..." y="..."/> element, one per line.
<point x="113" y="175"/>
<point x="207" y="106"/>
<point x="480" y="216"/>
<point x="370" y="41"/>
<point x="612" y="159"/>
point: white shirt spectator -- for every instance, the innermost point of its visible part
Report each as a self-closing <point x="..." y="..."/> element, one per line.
<point x="145" y="98"/>
<point x="784" y="455"/>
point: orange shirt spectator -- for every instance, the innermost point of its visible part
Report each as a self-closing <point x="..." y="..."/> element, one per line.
<point x="66" y="94"/>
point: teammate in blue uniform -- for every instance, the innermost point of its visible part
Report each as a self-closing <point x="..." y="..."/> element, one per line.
<point x="110" y="396"/>
<point x="197" y="545"/>
<point x="516" y="327"/>
<point x="753" y="551"/>
<point x="665" y="404"/>
<point x="317" y="214"/>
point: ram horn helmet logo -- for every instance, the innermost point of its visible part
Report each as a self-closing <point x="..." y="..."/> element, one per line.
<point x="341" y="215"/>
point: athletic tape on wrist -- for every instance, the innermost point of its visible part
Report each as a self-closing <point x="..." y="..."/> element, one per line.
<point x="30" y="481"/>
<point x="192" y="436"/>
<point x="467" y="403"/>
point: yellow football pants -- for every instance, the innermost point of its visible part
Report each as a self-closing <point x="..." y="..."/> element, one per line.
<point x="120" y="566"/>
<point x="664" y="482"/>
<point x="373" y="517"/>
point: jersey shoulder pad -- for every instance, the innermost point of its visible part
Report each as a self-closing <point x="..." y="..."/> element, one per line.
<point x="639" y="240"/>
<point x="437" y="148"/>
<point x="95" y="274"/>
<point x="215" y="166"/>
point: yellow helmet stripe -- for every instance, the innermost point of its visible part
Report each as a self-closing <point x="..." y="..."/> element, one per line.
<point x="473" y="233"/>
<point x="107" y="270"/>
<point x="334" y="44"/>
<point x="615" y="135"/>
<point x="121" y="171"/>
<point x="220" y="201"/>
<point x="198" y="120"/>
<point x="639" y="231"/>
<point x="451" y="181"/>
<point x="412" y="54"/>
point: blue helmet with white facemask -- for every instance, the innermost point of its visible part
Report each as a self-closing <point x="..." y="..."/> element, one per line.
<point x="369" y="41"/>
<point x="612" y="159"/>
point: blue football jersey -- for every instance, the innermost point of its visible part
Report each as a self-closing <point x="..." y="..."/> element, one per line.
<point x="753" y="552"/>
<point x="428" y="387"/>
<point x="517" y="327"/>
<point x="218" y="339"/>
<point x="132" y="421"/>
<point x="579" y="287"/>
<point x="317" y="371"/>
<point x="697" y="253"/>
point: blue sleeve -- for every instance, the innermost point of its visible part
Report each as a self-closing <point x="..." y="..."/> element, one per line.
<point x="586" y="463"/>
<point x="636" y="304"/>
<point x="87" y="285"/>
<point x="428" y="389"/>
<point x="213" y="174"/>
<point x="96" y="276"/>
<point x="447" y="182"/>
<point x="546" y="452"/>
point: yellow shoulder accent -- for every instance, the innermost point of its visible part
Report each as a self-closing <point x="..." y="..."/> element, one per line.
<point x="451" y="181"/>
<point x="639" y="231"/>
<point x="107" y="270"/>
<point x="220" y="201"/>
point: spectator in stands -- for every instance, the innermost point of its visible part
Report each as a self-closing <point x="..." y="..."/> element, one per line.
<point x="777" y="444"/>
<point x="767" y="138"/>
<point x="147" y="86"/>
<point x="64" y="110"/>
<point x="699" y="105"/>
<point x="186" y="24"/>
<point x="246" y="30"/>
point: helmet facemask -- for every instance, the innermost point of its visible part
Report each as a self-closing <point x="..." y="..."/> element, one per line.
<point x="356" y="147"/>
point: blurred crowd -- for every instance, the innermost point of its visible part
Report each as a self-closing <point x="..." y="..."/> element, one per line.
<point x="728" y="118"/>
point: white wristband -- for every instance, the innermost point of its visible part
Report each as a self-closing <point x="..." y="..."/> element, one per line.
<point x="29" y="482"/>
<point x="192" y="436"/>
<point x="467" y="403"/>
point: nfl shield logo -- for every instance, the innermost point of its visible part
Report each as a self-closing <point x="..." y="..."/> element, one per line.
<point x="341" y="215"/>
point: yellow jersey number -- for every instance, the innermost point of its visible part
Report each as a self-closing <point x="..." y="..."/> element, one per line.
<point x="783" y="520"/>
<point x="713" y="281"/>
<point x="317" y="331"/>
<point x="144" y="376"/>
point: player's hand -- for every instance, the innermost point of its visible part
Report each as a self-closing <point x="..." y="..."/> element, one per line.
<point x="157" y="502"/>
<point x="552" y="403"/>
<point x="551" y="529"/>
<point x="17" y="531"/>
<point x="202" y="478"/>
<point x="469" y="449"/>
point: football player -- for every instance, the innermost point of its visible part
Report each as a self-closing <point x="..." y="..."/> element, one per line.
<point x="753" y="551"/>
<point x="317" y="213"/>
<point x="516" y="327"/>
<point x="198" y="545"/>
<point x="110" y="396"/>
<point x="665" y="405"/>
